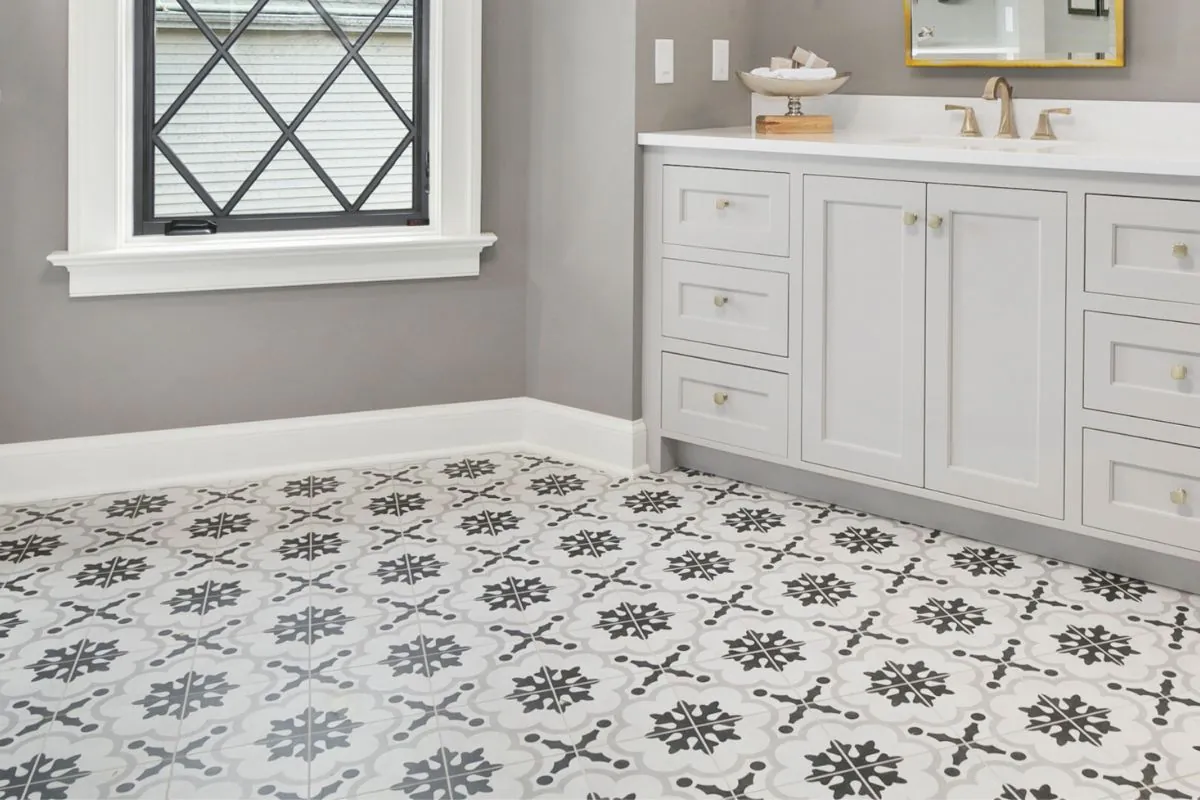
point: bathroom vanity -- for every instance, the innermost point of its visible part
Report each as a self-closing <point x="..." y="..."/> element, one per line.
<point x="1005" y="327"/>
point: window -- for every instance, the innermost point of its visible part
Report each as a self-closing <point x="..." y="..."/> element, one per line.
<point x="319" y="141"/>
<point x="286" y="114"/>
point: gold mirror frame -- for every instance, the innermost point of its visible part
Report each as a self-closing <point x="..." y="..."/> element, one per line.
<point x="1118" y="11"/>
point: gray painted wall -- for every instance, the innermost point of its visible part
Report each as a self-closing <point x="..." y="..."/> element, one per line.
<point x="580" y="335"/>
<point x="867" y="38"/>
<point x="82" y="367"/>
<point x="693" y="100"/>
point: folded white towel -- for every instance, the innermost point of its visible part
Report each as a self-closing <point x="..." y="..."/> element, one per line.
<point x="798" y="74"/>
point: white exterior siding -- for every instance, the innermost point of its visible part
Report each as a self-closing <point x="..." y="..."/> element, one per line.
<point x="221" y="132"/>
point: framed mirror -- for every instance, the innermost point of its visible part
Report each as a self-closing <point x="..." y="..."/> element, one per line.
<point x="1015" y="33"/>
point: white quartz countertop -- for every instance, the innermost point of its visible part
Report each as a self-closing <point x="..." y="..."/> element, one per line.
<point x="1107" y="137"/>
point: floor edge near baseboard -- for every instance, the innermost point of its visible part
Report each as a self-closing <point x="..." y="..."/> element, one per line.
<point x="1073" y="548"/>
<point x="69" y="468"/>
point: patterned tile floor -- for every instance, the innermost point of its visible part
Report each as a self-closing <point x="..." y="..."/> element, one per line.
<point x="513" y="626"/>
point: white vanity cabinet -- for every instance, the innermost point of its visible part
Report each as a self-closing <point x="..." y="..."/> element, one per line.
<point x="934" y="343"/>
<point x="1022" y="343"/>
<point x="864" y="327"/>
<point x="996" y="356"/>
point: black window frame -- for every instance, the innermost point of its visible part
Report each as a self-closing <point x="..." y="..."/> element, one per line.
<point x="148" y="128"/>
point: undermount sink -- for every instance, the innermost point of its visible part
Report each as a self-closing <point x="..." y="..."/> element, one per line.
<point x="966" y="143"/>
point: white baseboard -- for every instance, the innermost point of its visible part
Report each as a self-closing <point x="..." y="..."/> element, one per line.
<point x="100" y="464"/>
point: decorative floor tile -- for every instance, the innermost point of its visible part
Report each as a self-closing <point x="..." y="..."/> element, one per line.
<point x="514" y="626"/>
<point x="28" y="549"/>
<point x="1186" y="789"/>
<point x="839" y="760"/>
<point x="829" y="592"/>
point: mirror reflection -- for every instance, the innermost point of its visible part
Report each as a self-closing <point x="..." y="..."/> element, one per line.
<point x="1080" y="33"/>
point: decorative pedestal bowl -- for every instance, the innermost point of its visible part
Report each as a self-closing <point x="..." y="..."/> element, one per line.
<point x="795" y="121"/>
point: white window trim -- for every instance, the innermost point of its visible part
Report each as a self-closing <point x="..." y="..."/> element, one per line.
<point x="105" y="258"/>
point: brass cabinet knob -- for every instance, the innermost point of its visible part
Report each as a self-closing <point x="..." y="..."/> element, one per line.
<point x="720" y="301"/>
<point x="723" y="204"/>
<point x="721" y="398"/>
<point x="1179" y="372"/>
<point x="910" y="218"/>
<point x="935" y="221"/>
<point x="1180" y="250"/>
<point x="1179" y="497"/>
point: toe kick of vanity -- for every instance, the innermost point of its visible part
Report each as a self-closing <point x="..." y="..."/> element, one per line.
<point x="1023" y="343"/>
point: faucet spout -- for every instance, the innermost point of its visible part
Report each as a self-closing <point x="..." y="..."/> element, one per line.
<point x="998" y="88"/>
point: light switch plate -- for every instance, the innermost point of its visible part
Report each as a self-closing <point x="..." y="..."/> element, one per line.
<point x="720" y="70"/>
<point x="664" y="60"/>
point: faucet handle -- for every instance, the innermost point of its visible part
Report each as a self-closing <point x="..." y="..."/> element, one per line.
<point x="1045" y="131"/>
<point x="970" y="125"/>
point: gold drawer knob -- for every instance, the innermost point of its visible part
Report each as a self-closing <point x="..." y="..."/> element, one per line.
<point x="1179" y="372"/>
<point x="720" y="301"/>
<point x="1180" y="250"/>
<point x="935" y="221"/>
<point x="1179" y="497"/>
<point x="910" y="218"/>
<point x="723" y="204"/>
<point x="721" y="398"/>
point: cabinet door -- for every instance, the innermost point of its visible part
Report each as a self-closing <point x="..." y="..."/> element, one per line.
<point x="864" y="327"/>
<point x="996" y="314"/>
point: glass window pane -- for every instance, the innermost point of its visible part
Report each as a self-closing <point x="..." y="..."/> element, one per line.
<point x="388" y="56"/>
<point x="221" y="132"/>
<point x="175" y="197"/>
<point x="396" y="189"/>
<point x="288" y="52"/>
<point x="288" y="186"/>
<point x="354" y="127"/>
<point x="220" y="15"/>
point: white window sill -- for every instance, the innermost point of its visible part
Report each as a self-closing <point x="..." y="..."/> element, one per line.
<point x="163" y="265"/>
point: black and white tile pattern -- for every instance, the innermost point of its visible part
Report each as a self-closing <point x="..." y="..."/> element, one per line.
<point x="513" y="626"/>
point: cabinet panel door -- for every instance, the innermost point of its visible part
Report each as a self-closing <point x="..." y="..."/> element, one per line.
<point x="864" y="327"/>
<point x="996" y="316"/>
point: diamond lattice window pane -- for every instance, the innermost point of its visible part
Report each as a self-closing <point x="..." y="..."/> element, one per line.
<point x="219" y="134"/>
<point x="352" y="131"/>
<point x="173" y="196"/>
<point x="222" y="16"/>
<point x="396" y="189"/>
<point x="288" y="186"/>
<point x="254" y="98"/>
<point x="289" y="51"/>
<point x="354" y="16"/>
<point x="393" y="64"/>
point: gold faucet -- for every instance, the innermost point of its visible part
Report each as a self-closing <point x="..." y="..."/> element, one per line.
<point x="999" y="88"/>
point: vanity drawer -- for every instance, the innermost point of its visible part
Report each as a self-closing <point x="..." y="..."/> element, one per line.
<point x="1140" y="247"/>
<point x="727" y="209"/>
<point x="1142" y="368"/>
<point x="1142" y="488"/>
<point x="745" y="309"/>
<point x="721" y="403"/>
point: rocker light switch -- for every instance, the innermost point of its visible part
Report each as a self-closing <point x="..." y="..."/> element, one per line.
<point x="664" y="60"/>
<point x="720" y="60"/>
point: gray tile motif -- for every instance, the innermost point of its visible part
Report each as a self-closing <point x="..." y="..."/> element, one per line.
<point x="508" y="625"/>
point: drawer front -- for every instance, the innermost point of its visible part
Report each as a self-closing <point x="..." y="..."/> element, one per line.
<point x="1138" y="247"/>
<point x="724" y="404"/>
<point x="727" y="209"/>
<point x="1142" y="368"/>
<point x="728" y="306"/>
<point x="1142" y="488"/>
